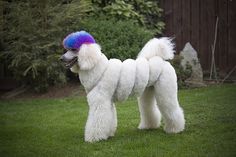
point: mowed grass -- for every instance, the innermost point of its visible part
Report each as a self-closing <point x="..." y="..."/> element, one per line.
<point x="55" y="127"/>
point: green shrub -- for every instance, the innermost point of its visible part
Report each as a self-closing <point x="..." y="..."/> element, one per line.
<point x="32" y="37"/>
<point x="123" y="10"/>
<point x="182" y="73"/>
<point x="144" y="12"/>
<point x="118" y="39"/>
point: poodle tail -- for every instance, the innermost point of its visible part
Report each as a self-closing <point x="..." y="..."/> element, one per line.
<point x="162" y="47"/>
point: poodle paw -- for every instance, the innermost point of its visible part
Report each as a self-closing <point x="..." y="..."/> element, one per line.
<point x="93" y="139"/>
<point x="173" y="129"/>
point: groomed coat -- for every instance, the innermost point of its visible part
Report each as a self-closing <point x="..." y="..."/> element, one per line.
<point x="150" y="77"/>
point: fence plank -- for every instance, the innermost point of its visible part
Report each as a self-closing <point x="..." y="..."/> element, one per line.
<point x="203" y="35"/>
<point x="231" y="35"/>
<point x="223" y="34"/>
<point x="168" y="12"/>
<point x="211" y="22"/>
<point x="195" y="10"/>
<point x="186" y="21"/>
<point x="177" y="24"/>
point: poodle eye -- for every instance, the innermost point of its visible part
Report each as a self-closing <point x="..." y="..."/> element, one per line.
<point x="74" y="50"/>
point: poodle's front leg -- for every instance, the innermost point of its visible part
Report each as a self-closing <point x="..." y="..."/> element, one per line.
<point x="114" y="120"/>
<point x="100" y="124"/>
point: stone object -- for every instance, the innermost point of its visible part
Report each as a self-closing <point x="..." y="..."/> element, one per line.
<point x="190" y="57"/>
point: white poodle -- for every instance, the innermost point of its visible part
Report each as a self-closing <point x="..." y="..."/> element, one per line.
<point x="149" y="77"/>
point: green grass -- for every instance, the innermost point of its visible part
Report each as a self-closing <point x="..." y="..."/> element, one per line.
<point x="51" y="127"/>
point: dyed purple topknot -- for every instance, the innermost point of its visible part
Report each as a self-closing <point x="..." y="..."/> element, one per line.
<point x="75" y="40"/>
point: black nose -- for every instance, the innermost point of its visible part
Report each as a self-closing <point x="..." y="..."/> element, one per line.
<point x="62" y="58"/>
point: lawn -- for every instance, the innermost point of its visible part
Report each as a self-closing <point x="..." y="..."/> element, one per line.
<point x="55" y="127"/>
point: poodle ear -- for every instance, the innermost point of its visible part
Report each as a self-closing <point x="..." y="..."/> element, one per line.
<point x="89" y="55"/>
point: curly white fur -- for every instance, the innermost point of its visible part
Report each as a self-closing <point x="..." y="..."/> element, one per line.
<point x="149" y="77"/>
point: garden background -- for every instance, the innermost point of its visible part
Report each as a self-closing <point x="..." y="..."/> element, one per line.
<point x="48" y="119"/>
<point x="32" y="33"/>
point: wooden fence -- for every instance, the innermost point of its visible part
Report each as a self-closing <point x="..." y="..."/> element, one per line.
<point x="195" y="21"/>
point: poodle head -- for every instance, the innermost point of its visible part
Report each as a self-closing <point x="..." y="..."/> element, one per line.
<point x="82" y="52"/>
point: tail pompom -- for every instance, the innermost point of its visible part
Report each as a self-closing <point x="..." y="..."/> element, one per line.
<point x="162" y="47"/>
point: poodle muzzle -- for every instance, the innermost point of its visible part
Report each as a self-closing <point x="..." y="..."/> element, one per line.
<point x="68" y="61"/>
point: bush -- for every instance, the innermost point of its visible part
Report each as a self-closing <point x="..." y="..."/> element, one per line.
<point x="118" y="39"/>
<point x="144" y="12"/>
<point x="182" y="73"/>
<point x="32" y="36"/>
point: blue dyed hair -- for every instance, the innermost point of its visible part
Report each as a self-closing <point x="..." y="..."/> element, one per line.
<point x="75" y="40"/>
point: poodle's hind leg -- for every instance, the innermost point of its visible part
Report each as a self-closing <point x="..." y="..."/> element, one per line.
<point x="101" y="122"/>
<point x="166" y="95"/>
<point x="149" y="112"/>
